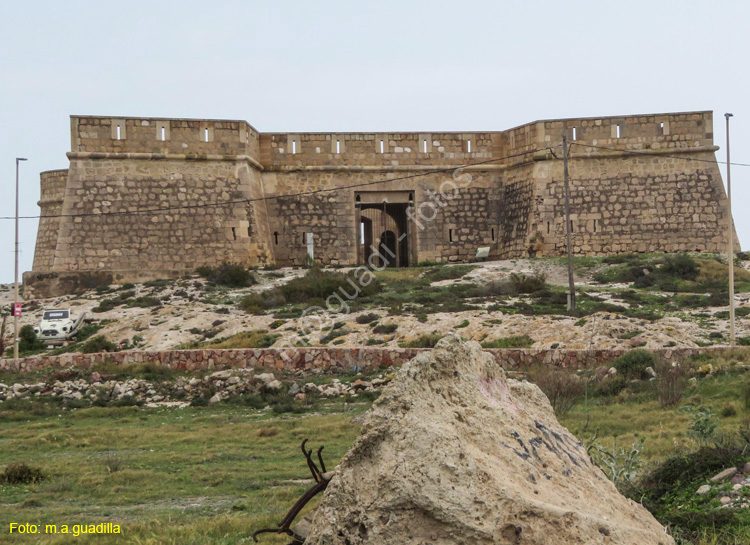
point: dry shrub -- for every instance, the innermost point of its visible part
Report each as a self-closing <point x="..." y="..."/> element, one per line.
<point x="21" y="473"/>
<point x="267" y="432"/>
<point x="671" y="379"/>
<point x="561" y="386"/>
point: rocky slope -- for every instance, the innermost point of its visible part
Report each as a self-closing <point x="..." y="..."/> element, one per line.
<point x="188" y="313"/>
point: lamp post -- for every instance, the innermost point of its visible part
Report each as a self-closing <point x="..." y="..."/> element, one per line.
<point x="730" y="236"/>
<point x="15" y="298"/>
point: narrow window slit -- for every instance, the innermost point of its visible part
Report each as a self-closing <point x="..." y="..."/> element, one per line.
<point x="493" y="233"/>
<point x="205" y="134"/>
<point x="294" y="146"/>
<point x="548" y="228"/>
<point x="575" y="133"/>
<point x="163" y="133"/>
<point x="118" y="132"/>
<point x="594" y="226"/>
<point x="424" y="146"/>
<point x="450" y="235"/>
<point x="234" y="233"/>
<point x="468" y="146"/>
<point x="338" y="146"/>
<point x="618" y="130"/>
<point x="276" y="237"/>
<point x="382" y="147"/>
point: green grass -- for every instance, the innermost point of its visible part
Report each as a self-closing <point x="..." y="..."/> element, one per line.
<point x="187" y="476"/>
<point x="216" y="474"/>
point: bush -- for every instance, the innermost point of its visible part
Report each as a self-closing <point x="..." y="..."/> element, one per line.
<point x="448" y="272"/>
<point x="670" y="382"/>
<point x="611" y="386"/>
<point x="632" y="365"/>
<point x="561" y="387"/>
<point x="367" y="318"/>
<point x="28" y="340"/>
<point x="320" y="284"/>
<point x="385" y="329"/>
<point x="423" y="341"/>
<point x="528" y="284"/>
<point x="682" y="266"/>
<point x="519" y="341"/>
<point x="232" y="275"/>
<point x="21" y="473"/>
<point x="98" y="344"/>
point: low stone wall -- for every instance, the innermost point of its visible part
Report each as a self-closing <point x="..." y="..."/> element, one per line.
<point x="321" y="360"/>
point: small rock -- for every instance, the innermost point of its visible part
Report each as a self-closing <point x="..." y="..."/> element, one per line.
<point x="726" y="500"/>
<point x="215" y="399"/>
<point x="294" y="389"/>
<point x="299" y="396"/>
<point x="95" y="377"/>
<point x="724" y="475"/>
<point x="266" y="377"/>
<point x="600" y="372"/>
<point x="738" y="479"/>
<point x="359" y="385"/>
<point x="273" y="385"/>
<point x="651" y="372"/>
<point x="233" y="380"/>
<point x="746" y="469"/>
<point x="737" y="487"/>
<point x="612" y="371"/>
<point x="221" y="375"/>
<point x="703" y="490"/>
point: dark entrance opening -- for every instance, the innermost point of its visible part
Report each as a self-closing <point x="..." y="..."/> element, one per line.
<point x="388" y="248"/>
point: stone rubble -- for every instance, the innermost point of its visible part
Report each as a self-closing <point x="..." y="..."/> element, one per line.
<point x="730" y="486"/>
<point x="181" y="391"/>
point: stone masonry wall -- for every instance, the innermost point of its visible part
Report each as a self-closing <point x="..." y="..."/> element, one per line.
<point x="628" y="204"/>
<point x="53" y="184"/>
<point x="192" y="232"/>
<point x="318" y="360"/>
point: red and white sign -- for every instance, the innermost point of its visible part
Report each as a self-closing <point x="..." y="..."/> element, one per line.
<point x="17" y="309"/>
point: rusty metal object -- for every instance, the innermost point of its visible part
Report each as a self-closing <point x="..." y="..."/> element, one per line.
<point x="321" y="477"/>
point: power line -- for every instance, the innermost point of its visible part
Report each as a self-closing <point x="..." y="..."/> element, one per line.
<point x="273" y="197"/>
<point x="651" y="154"/>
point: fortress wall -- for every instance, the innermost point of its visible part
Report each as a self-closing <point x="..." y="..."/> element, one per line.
<point x="450" y="221"/>
<point x="144" y="135"/>
<point x="179" y="239"/>
<point x="660" y="201"/>
<point x="50" y="204"/>
<point x="633" y="204"/>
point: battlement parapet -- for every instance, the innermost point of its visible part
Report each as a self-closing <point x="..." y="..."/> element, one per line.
<point x="162" y="136"/>
<point x="202" y="138"/>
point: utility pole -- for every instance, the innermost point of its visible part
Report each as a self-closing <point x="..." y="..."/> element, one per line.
<point x="571" y="283"/>
<point x="730" y="236"/>
<point x="16" y="340"/>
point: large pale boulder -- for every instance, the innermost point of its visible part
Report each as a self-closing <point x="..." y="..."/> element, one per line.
<point x="455" y="453"/>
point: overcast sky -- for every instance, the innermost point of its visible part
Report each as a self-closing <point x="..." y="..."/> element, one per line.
<point x="360" y="66"/>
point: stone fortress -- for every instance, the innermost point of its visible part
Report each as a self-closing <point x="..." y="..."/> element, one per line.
<point x="146" y="197"/>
